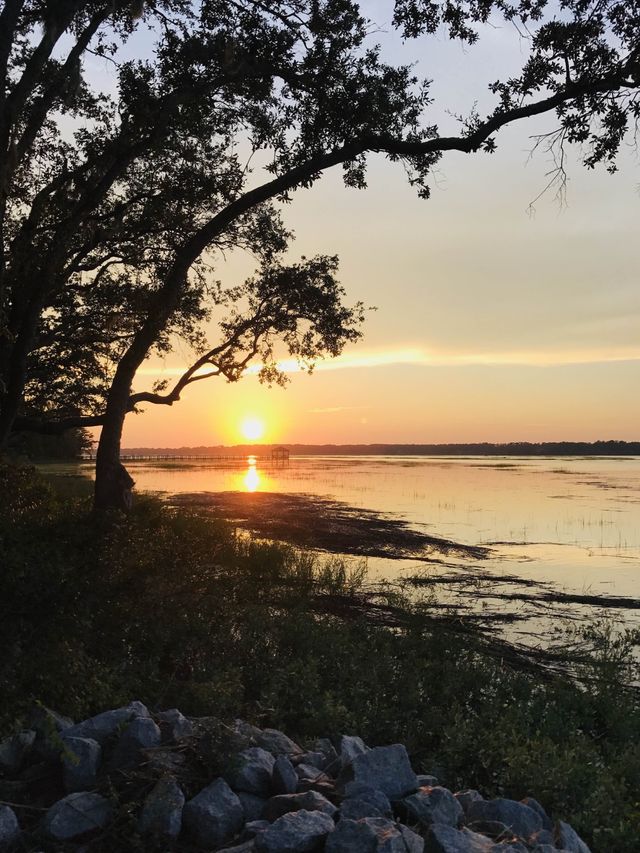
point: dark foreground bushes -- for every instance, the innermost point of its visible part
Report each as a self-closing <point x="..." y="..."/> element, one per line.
<point x="175" y="609"/>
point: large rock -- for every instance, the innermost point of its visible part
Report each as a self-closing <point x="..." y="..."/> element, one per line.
<point x="311" y="801"/>
<point x="547" y="823"/>
<point x="76" y="815"/>
<point x="276" y="742"/>
<point x="251" y="771"/>
<point x="104" y="725"/>
<point x="175" y="724"/>
<point x="14" y="751"/>
<point x="252" y="805"/>
<point x="568" y="839"/>
<point x="386" y="768"/>
<point x="434" y="805"/>
<point x="161" y="814"/>
<point x="9" y="827"/>
<point x="80" y="763"/>
<point x="325" y="746"/>
<point x="363" y="801"/>
<point x="520" y="819"/>
<point x="445" y="839"/>
<point x="285" y="778"/>
<point x="350" y="747"/>
<point x="214" y="815"/>
<point x="373" y="835"/>
<point x="465" y="798"/>
<point x="48" y="726"/>
<point x="296" y="832"/>
<point x="141" y="733"/>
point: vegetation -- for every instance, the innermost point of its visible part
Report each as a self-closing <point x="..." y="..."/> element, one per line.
<point x="119" y="198"/>
<point x="176" y="610"/>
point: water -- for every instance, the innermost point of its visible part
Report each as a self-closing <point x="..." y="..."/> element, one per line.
<point x="567" y="524"/>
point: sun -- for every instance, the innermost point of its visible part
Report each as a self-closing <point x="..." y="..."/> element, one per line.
<point x="252" y="428"/>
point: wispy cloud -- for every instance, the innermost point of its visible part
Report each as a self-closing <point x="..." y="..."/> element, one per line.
<point x="329" y="410"/>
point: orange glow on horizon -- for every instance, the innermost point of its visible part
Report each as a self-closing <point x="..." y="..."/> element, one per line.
<point x="252" y="428"/>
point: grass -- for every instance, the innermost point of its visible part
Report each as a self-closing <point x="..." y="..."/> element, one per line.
<point x="176" y="610"/>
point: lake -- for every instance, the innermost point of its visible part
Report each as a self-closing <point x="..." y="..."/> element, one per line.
<point x="561" y="531"/>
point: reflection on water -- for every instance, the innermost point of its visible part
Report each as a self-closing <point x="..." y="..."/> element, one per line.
<point x="251" y="478"/>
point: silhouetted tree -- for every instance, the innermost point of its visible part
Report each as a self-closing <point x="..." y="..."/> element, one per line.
<point x="115" y="205"/>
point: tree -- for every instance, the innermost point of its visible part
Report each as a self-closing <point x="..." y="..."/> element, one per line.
<point x="115" y="208"/>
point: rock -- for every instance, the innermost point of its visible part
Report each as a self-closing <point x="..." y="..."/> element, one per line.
<point x="140" y="734"/>
<point x="568" y="839"/>
<point x="102" y="726"/>
<point x="509" y="847"/>
<point x="372" y="835"/>
<point x="251" y="771"/>
<point x="296" y="832"/>
<point x="544" y="848"/>
<point x="547" y="823"/>
<point x="277" y="743"/>
<point x="315" y="759"/>
<point x="9" y="827"/>
<point x="214" y="815"/>
<point x="161" y="814"/>
<point x="309" y="773"/>
<point x="177" y="726"/>
<point x="246" y="731"/>
<point x="386" y="768"/>
<point x="162" y="761"/>
<point x="522" y="820"/>
<point x="465" y="798"/>
<point x="76" y="815"/>
<point x="245" y="847"/>
<point x="80" y="763"/>
<point x="350" y="746"/>
<point x="363" y="801"/>
<point x="494" y="829"/>
<point x="252" y="805"/>
<point x="425" y="780"/>
<point x="44" y="721"/>
<point x="253" y="827"/>
<point x="14" y="751"/>
<point x="325" y="746"/>
<point x="310" y="801"/>
<point x="445" y="839"/>
<point x="434" y="805"/>
<point x="543" y="837"/>
<point x="284" y="779"/>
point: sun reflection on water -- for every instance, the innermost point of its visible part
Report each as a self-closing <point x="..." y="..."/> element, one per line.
<point x="251" y="479"/>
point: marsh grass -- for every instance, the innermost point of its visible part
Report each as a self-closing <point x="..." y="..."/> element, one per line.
<point x="175" y="609"/>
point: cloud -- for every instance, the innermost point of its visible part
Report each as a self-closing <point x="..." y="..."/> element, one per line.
<point x="331" y="409"/>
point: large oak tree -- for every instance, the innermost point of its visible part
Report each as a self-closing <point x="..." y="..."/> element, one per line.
<point x="116" y="206"/>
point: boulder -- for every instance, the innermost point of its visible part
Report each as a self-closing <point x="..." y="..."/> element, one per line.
<point x="522" y="820"/>
<point x="363" y="801"/>
<point x="76" y="815"/>
<point x="325" y="746"/>
<point x="48" y="726"/>
<point x="141" y="733"/>
<point x="309" y="773"/>
<point x="174" y="725"/>
<point x="252" y="805"/>
<point x="425" y="780"/>
<point x="547" y="823"/>
<point x="465" y="798"/>
<point x="568" y="839"/>
<point x="253" y="827"/>
<point x="445" y="839"/>
<point x="310" y="801"/>
<point x="161" y="814"/>
<point x="494" y="829"/>
<point x="372" y="835"/>
<point x="386" y="768"/>
<point x="284" y="779"/>
<point x="9" y="827"/>
<point x="277" y="743"/>
<point x="104" y="725"/>
<point x="350" y="746"/>
<point x="541" y="838"/>
<point x="544" y="848"/>
<point x="14" y="751"/>
<point x="80" y="763"/>
<point x="246" y="847"/>
<point x="214" y="815"/>
<point x="251" y="771"/>
<point x="315" y="759"/>
<point x="296" y="832"/>
<point x="434" y="805"/>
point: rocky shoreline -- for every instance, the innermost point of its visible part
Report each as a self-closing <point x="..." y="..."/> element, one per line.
<point x="168" y="782"/>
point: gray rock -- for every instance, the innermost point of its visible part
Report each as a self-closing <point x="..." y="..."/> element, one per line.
<point x="76" y="815"/>
<point x="295" y="832"/>
<point x="495" y="829"/>
<point x="253" y="827"/>
<point x="310" y="801"/>
<point x="350" y="746"/>
<point x="102" y="726"/>
<point x="521" y="819"/>
<point x="9" y="827"/>
<point x="246" y="731"/>
<point x="277" y="743"/>
<point x="568" y="839"/>
<point x="80" y="763"/>
<point x="161" y="814"/>
<point x="445" y="839"/>
<point x="251" y="771"/>
<point x="363" y="801"/>
<point x="284" y="779"/>
<point x="214" y="815"/>
<point x="325" y="746"/>
<point x="309" y="773"/>
<point x="44" y="721"/>
<point x="315" y="759"/>
<point x="544" y="848"/>
<point x="252" y="805"/>
<point x="386" y="768"/>
<point x="425" y="780"/>
<point x="372" y="835"/>
<point x="543" y="837"/>
<point x="140" y="734"/>
<point x="434" y="805"/>
<point x="14" y="751"/>
<point x="176" y="724"/>
<point x="465" y="798"/>
<point x="547" y="823"/>
<point x="509" y="847"/>
<point x="245" y="847"/>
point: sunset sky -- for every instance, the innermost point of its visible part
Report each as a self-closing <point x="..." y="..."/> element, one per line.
<point x="492" y="323"/>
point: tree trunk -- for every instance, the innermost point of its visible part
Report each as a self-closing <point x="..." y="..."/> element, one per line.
<point x="14" y="372"/>
<point x="113" y="482"/>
